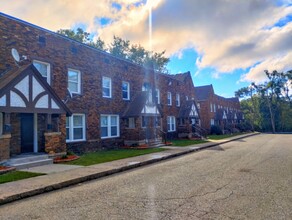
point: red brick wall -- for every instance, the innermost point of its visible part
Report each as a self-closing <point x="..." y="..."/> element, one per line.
<point x="63" y="53"/>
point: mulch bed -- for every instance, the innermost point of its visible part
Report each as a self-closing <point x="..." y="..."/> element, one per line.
<point x="142" y="146"/>
<point x="69" y="158"/>
<point x="4" y="169"/>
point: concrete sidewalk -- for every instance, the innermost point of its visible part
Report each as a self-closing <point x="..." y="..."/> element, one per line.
<point x="60" y="176"/>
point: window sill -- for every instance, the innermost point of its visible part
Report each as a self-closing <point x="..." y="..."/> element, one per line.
<point x="109" y="137"/>
<point x="75" y="141"/>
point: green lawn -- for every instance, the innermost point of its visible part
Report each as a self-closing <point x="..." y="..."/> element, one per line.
<point x="17" y="175"/>
<point x="110" y="155"/>
<point x="222" y="136"/>
<point x="183" y="143"/>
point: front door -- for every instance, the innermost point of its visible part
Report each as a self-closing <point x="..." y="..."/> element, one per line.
<point x="26" y="133"/>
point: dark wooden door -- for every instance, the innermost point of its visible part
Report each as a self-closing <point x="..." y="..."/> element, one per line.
<point x="26" y="133"/>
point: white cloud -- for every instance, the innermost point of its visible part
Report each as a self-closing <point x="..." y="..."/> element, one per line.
<point x="280" y="63"/>
<point x="226" y="34"/>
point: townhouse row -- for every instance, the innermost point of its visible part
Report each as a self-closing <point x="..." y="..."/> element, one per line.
<point x="217" y="110"/>
<point x="63" y="94"/>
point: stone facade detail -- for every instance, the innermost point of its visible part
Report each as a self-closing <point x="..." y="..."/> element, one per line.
<point x="53" y="143"/>
<point x="5" y="147"/>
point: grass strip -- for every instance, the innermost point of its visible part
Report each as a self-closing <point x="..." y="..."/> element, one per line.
<point x="17" y="175"/>
<point x="111" y="155"/>
<point x="222" y="136"/>
<point x="184" y="143"/>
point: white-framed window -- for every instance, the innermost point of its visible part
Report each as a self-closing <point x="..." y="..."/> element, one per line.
<point x="177" y="99"/>
<point x="75" y="128"/>
<point x="157" y="121"/>
<point x="169" y="98"/>
<point x="170" y="123"/>
<point x="211" y="107"/>
<point x="157" y="96"/>
<point x="214" y="107"/>
<point x="144" y="121"/>
<point x="74" y="81"/>
<point x="187" y="98"/>
<point x="1" y="123"/>
<point x="44" y="68"/>
<point x="212" y="122"/>
<point x="110" y="126"/>
<point x="106" y="87"/>
<point x="126" y="90"/>
<point x="131" y="122"/>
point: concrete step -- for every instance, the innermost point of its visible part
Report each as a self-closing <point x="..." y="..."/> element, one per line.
<point x="154" y="144"/>
<point x="33" y="164"/>
<point x="29" y="160"/>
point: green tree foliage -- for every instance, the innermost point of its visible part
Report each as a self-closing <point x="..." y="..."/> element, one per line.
<point x="268" y="106"/>
<point x="79" y="35"/>
<point x="123" y="49"/>
<point x="99" y="44"/>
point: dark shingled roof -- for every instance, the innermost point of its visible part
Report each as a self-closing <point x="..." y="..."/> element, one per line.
<point x="136" y="106"/>
<point x="182" y="76"/>
<point x="186" y="108"/>
<point x="233" y="99"/>
<point x="203" y="92"/>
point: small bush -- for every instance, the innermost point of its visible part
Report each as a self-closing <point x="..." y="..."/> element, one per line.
<point x="69" y="153"/>
<point x="215" y="129"/>
<point x="65" y="156"/>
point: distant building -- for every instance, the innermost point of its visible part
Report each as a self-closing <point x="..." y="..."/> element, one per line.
<point x="217" y="110"/>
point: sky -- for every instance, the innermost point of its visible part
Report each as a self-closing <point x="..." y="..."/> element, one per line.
<point x="222" y="42"/>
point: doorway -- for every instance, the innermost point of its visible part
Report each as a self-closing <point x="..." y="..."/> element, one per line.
<point x="27" y="133"/>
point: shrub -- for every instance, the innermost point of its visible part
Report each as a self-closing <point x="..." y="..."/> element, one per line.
<point x="215" y="129"/>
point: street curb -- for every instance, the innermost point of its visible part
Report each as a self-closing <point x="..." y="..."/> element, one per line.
<point x="98" y="175"/>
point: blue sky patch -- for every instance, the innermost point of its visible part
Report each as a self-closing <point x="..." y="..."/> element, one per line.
<point x="117" y="6"/>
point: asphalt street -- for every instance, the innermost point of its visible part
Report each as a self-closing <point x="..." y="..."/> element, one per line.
<point x="249" y="178"/>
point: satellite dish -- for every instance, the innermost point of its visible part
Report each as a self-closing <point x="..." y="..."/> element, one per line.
<point x="15" y="54"/>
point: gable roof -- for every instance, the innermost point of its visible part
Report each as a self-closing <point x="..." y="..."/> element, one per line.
<point x="233" y="99"/>
<point x="140" y="106"/>
<point x="203" y="92"/>
<point x="188" y="109"/>
<point x="24" y="90"/>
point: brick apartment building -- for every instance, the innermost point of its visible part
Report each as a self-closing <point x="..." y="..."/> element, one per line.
<point x="217" y="110"/>
<point x="64" y="94"/>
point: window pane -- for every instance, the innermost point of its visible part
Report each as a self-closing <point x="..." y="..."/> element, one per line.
<point x="67" y="134"/>
<point x="72" y="76"/>
<point x="113" y="120"/>
<point x="104" y="132"/>
<point x="67" y="121"/>
<point x="114" y="131"/>
<point x="125" y="95"/>
<point x="103" y="121"/>
<point x="77" y="133"/>
<point x="125" y="86"/>
<point x="106" y="82"/>
<point x="42" y="68"/>
<point x="131" y="122"/>
<point x="73" y="87"/>
<point x="106" y="92"/>
<point x="77" y="120"/>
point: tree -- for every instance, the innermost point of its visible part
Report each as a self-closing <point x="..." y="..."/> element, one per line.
<point x="123" y="49"/>
<point x="270" y="100"/>
<point x="119" y="47"/>
<point x="99" y="44"/>
<point x="80" y="35"/>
